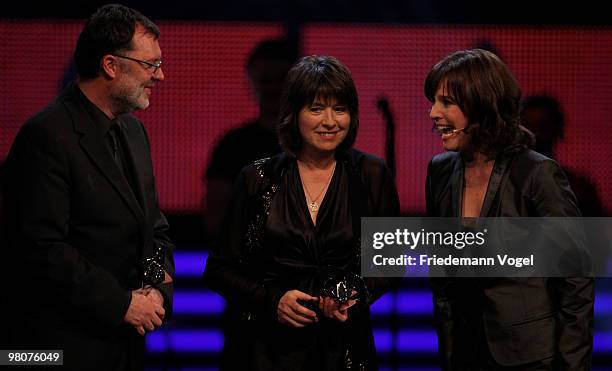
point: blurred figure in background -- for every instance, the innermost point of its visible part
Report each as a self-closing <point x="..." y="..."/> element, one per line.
<point x="542" y="115"/>
<point x="266" y="67"/>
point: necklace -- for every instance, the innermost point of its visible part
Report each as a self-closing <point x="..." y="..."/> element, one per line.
<point x="314" y="205"/>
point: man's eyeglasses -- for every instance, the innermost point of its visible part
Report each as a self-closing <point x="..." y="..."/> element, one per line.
<point x="153" y="67"/>
<point x="441" y="130"/>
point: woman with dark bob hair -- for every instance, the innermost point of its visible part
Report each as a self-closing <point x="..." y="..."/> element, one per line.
<point x="503" y="323"/>
<point x="288" y="257"/>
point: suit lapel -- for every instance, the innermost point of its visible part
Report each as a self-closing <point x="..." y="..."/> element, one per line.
<point x="132" y="143"/>
<point x="457" y="187"/>
<point x="499" y="169"/>
<point x="93" y="142"/>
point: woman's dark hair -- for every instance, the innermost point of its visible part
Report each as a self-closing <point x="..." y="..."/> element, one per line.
<point x="109" y="30"/>
<point x="487" y="93"/>
<point x="316" y="77"/>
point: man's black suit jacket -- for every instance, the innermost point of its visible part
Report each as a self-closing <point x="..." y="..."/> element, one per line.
<point x="76" y="234"/>
<point x="521" y="320"/>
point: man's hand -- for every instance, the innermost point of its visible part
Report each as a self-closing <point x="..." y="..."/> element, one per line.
<point x="291" y="313"/>
<point x="145" y="311"/>
<point x="154" y="295"/>
<point x="167" y="278"/>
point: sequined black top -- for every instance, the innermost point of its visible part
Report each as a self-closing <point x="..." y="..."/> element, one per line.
<point x="293" y="253"/>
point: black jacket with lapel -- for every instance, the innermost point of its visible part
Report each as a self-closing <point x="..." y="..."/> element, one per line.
<point x="521" y="320"/>
<point x="77" y="233"/>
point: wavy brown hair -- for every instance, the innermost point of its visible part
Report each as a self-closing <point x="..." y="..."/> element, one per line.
<point x="487" y="93"/>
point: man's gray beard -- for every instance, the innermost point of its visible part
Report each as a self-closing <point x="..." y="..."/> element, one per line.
<point x="125" y="104"/>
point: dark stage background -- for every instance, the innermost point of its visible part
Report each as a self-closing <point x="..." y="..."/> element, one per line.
<point x="206" y="93"/>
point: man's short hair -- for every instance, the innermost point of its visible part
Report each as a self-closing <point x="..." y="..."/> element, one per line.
<point x="109" y="30"/>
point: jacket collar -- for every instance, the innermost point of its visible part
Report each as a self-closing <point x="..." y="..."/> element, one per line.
<point x="500" y="168"/>
<point x="93" y="141"/>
